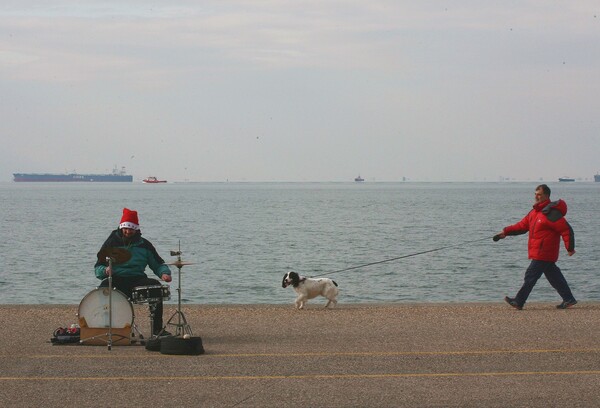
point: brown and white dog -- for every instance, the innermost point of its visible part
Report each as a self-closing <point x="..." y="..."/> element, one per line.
<point x="308" y="288"/>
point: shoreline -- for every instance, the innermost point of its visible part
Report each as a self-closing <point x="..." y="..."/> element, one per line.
<point x="320" y="302"/>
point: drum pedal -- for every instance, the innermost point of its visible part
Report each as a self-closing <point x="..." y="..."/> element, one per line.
<point x="140" y="339"/>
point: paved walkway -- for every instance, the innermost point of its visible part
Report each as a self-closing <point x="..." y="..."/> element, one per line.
<point x="426" y="355"/>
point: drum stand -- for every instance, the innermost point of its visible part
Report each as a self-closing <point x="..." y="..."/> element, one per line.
<point x="182" y="326"/>
<point x="108" y="337"/>
<point x="152" y="307"/>
<point x="134" y="330"/>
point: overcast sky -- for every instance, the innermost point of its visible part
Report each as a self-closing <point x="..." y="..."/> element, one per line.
<point x="318" y="90"/>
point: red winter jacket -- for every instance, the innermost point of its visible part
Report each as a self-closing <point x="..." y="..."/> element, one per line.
<point x="546" y="224"/>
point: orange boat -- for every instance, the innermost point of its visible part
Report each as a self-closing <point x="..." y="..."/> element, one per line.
<point x="153" y="180"/>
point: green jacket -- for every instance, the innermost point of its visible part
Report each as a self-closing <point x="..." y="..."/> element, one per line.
<point x="142" y="252"/>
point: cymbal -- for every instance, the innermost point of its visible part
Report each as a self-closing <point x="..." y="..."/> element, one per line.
<point x="118" y="255"/>
<point x="179" y="264"/>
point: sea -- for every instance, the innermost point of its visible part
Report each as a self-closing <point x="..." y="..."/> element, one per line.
<point x="402" y="242"/>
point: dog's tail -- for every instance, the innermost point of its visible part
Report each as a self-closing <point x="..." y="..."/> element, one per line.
<point x="334" y="282"/>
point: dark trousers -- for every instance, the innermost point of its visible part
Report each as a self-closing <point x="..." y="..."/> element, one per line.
<point x="554" y="276"/>
<point x="126" y="286"/>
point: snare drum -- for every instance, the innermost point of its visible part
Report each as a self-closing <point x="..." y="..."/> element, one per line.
<point x="150" y="294"/>
<point x="93" y="310"/>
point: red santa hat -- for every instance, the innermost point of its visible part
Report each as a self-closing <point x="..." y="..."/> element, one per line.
<point x="129" y="219"/>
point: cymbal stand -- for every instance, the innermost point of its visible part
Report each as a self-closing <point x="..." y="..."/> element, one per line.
<point x="182" y="326"/>
<point x="110" y="289"/>
<point x="109" y="335"/>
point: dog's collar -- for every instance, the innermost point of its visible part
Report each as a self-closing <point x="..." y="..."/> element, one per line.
<point x="302" y="278"/>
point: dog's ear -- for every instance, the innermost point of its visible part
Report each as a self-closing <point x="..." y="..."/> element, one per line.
<point x="283" y="282"/>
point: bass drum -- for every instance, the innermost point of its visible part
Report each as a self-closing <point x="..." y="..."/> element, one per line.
<point x="93" y="310"/>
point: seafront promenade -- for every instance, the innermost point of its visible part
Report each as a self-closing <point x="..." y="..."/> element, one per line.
<point x="387" y="355"/>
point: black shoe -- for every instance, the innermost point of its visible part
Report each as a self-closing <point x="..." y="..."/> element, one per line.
<point x="513" y="303"/>
<point x="567" y="304"/>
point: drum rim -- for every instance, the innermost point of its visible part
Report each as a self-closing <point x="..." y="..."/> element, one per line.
<point x="99" y="288"/>
<point x="149" y="286"/>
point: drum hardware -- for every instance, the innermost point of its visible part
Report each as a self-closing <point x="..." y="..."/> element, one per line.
<point x="183" y="329"/>
<point x="113" y="256"/>
<point x="134" y="330"/>
<point x="152" y="294"/>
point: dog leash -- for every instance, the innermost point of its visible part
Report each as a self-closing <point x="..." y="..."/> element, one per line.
<point x="403" y="256"/>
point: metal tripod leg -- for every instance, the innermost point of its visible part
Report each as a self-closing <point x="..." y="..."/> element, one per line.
<point x="134" y="330"/>
<point x="106" y="337"/>
<point x="181" y="328"/>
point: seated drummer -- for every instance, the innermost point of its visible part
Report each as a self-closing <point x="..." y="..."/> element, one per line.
<point x="129" y="274"/>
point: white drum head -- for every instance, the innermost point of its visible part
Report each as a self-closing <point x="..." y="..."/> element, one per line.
<point x="94" y="309"/>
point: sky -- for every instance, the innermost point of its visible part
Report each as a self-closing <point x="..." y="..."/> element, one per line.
<point x="301" y="91"/>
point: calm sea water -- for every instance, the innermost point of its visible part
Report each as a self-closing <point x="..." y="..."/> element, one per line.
<point x="243" y="237"/>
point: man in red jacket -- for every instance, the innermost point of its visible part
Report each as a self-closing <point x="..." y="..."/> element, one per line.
<point x="546" y="224"/>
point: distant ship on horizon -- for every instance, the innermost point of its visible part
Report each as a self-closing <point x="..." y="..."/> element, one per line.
<point x="359" y="178"/>
<point x="116" y="176"/>
<point x="563" y="179"/>
<point x="153" y="180"/>
<point x="597" y="178"/>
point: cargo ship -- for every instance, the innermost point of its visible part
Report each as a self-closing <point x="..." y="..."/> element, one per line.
<point x="597" y="178"/>
<point x="115" y="176"/>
